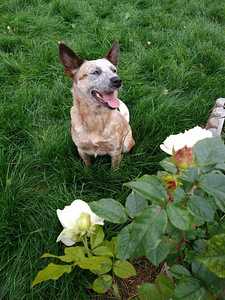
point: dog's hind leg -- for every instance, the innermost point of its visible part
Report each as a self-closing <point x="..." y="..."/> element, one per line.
<point x="86" y="158"/>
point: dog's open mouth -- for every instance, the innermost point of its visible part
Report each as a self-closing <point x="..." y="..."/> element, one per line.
<point x="107" y="99"/>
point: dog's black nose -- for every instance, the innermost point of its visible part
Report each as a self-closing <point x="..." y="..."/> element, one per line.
<point x="116" y="81"/>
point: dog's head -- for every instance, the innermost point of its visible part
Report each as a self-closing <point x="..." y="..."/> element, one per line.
<point x="97" y="79"/>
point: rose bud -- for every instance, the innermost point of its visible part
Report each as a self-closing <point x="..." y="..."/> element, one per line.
<point x="84" y="221"/>
<point x="170" y="182"/>
<point x="183" y="158"/>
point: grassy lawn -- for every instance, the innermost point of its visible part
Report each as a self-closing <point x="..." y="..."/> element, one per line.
<point x="172" y="63"/>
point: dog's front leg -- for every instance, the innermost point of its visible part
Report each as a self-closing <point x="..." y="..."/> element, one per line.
<point x="86" y="158"/>
<point x="115" y="160"/>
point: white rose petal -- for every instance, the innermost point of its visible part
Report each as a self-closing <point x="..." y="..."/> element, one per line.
<point x="189" y="138"/>
<point x="68" y="218"/>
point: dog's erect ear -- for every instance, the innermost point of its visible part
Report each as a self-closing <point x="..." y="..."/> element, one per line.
<point x="71" y="62"/>
<point x="113" y="54"/>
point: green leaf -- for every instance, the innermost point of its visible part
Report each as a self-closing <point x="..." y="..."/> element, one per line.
<point x="214" y="255"/>
<point x="179" y="194"/>
<point x="180" y="216"/>
<point x="123" y="243"/>
<point x="152" y="192"/>
<point x="71" y="254"/>
<point x="220" y="203"/>
<point x="106" y="266"/>
<point x="199" y="245"/>
<point x="135" y="202"/>
<point x="123" y="269"/>
<point x="209" y="150"/>
<point x="157" y="255"/>
<point x="201" y="272"/>
<point x="92" y="263"/>
<point x="152" y="179"/>
<point x="191" y="175"/>
<point x="104" y="249"/>
<point x="201" y="208"/>
<point x="166" y="285"/>
<point x="179" y="271"/>
<point x="52" y="271"/>
<point x="168" y="165"/>
<point x="149" y="291"/>
<point x="97" y="237"/>
<point x="109" y="210"/>
<point x="102" y="284"/>
<point x="189" y="289"/>
<point x="146" y="230"/>
<point x="213" y="184"/>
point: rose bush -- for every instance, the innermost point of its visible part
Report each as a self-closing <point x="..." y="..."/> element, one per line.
<point x="176" y="216"/>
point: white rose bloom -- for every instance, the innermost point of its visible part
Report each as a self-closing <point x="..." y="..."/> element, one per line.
<point x="69" y="216"/>
<point x="189" y="138"/>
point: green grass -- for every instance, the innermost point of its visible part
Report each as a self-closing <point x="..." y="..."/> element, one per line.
<point x="40" y="169"/>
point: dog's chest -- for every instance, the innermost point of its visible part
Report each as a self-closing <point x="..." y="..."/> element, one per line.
<point x="96" y="136"/>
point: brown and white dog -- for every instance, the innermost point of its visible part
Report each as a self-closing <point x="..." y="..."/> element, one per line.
<point x="100" y="121"/>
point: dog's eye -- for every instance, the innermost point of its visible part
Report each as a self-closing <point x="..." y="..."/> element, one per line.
<point x="114" y="70"/>
<point x="96" y="72"/>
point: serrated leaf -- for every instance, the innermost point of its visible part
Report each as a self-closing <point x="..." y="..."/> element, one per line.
<point x="123" y="269"/>
<point x="199" y="245"/>
<point x="135" y="202"/>
<point x="149" y="291"/>
<point x="104" y="249"/>
<point x="180" y="216"/>
<point x="213" y="184"/>
<point x="102" y="284"/>
<point x="220" y="203"/>
<point x="91" y="263"/>
<point x="201" y="208"/>
<point x="109" y="210"/>
<point x="123" y="243"/>
<point x="168" y="165"/>
<point x="106" y="266"/>
<point x="179" y="271"/>
<point x="52" y="271"/>
<point x="152" y="192"/>
<point x="189" y="289"/>
<point x="179" y="194"/>
<point x="166" y="285"/>
<point x="201" y="272"/>
<point x="146" y="230"/>
<point x="214" y="255"/>
<point x="157" y="255"/>
<point x="152" y="179"/>
<point x="209" y="151"/>
<point x="97" y="237"/>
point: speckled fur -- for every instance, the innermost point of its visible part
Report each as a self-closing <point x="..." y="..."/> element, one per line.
<point x="96" y="129"/>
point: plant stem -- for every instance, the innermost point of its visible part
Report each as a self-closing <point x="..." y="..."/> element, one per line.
<point x="190" y="193"/>
<point x="172" y="241"/>
<point x="85" y="242"/>
<point x="179" y="247"/>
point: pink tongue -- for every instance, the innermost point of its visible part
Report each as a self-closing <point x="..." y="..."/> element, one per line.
<point x="111" y="100"/>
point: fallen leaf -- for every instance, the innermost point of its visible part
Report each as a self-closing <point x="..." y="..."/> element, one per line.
<point x="165" y="91"/>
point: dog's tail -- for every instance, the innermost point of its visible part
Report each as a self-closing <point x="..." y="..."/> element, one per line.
<point x="124" y="111"/>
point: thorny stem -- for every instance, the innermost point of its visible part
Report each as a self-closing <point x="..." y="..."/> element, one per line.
<point x="190" y="193"/>
<point x="179" y="247"/>
<point x="172" y="241"/>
